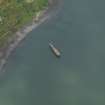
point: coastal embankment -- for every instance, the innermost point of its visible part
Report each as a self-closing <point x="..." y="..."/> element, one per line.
<point x="42" y="16"/>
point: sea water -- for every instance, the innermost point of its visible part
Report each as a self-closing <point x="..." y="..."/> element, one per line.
<point x="34" y="76"/>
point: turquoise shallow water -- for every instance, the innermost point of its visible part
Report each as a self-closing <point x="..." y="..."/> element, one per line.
<point x="34" y="76"/>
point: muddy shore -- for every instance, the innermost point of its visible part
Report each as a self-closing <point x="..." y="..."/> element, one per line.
<point x="14" y="41"/>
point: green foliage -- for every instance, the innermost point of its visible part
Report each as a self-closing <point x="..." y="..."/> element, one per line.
<point x="15" y="13"/>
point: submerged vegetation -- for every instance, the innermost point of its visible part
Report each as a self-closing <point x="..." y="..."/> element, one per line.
<point x="15" y="13"/>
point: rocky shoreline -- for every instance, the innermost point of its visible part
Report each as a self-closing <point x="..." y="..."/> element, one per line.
<point x="23" y="32"/>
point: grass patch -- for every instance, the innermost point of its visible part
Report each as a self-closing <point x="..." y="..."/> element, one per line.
<point x="15" y="13"/>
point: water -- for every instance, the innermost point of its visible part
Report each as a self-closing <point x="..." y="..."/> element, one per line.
<point x="34" y="76"/>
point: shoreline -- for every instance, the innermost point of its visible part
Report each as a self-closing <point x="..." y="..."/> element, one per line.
<point x="22" y="33"/>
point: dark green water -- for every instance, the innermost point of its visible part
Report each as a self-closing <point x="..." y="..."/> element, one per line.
<point x="34" y="76"/>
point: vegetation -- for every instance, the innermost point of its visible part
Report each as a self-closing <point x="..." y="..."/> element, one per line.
<point x="15" y="13"/>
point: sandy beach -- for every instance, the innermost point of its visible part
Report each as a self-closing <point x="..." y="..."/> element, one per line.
<point x="23" y="32"/>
